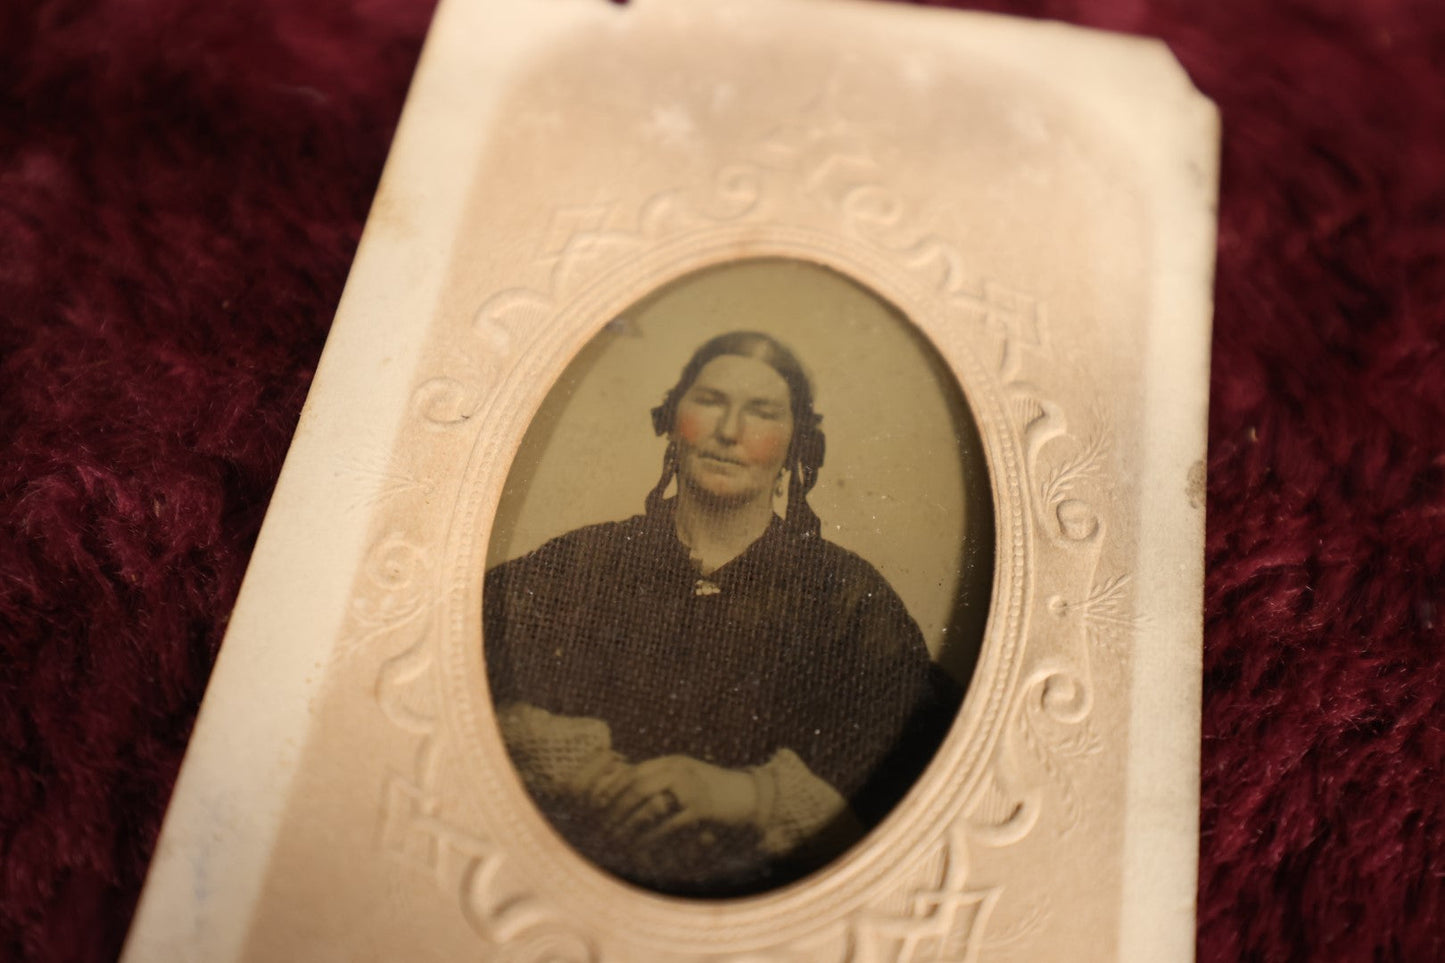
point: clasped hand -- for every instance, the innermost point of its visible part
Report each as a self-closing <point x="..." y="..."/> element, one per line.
<point x="655" y="798"/>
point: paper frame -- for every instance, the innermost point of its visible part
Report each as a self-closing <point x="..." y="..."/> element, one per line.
<point x="236" y="785"/>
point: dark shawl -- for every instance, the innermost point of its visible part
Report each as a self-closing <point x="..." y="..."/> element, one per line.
<point x="797" y="644"/>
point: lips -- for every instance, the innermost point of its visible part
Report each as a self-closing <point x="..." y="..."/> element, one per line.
<point x="721" y="459"/>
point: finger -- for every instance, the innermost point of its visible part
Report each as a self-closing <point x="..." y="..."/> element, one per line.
<point x="609" y="784"/>
<point x="638" y="791"/>
<point x="632" y="794"/>
<point x="605" y="765"/>
<point x="633" y="808"/>
<point x="679" y="771"/>
<point x="659" y="767"/>
<point x="678" y="820"/>
<point x="656" y="808"/>
<point x="639" y="784"/>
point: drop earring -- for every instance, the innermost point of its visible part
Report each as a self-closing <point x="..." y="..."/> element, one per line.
<point x="778" y="487"/>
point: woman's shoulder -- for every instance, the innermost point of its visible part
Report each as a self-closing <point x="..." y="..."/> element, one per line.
<point x="590" y="545"/>
<point x="821" y="568"/>
<point x="833" y="561"/>
<point x="878" y="624"/>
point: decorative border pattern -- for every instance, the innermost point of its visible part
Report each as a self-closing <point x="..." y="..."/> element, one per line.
<point x="1025" y="728"/>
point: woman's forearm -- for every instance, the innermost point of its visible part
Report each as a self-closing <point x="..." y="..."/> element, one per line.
<point x="797" y="809"/>
<point x="556" y="755"/>
<point x="792" y="808"/>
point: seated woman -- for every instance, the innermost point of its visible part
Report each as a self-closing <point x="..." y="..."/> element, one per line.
<point x="708" y="698"/>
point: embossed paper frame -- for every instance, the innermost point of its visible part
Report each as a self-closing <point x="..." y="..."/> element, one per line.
<point x="347" y="794"/>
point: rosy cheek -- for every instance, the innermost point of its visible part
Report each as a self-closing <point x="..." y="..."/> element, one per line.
<point x="766" y="446"/>
<point x="690" y="427"/>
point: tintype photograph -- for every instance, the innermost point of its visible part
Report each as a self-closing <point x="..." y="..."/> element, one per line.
<point x="747" y="509"/>
<point x="739" y="578"/>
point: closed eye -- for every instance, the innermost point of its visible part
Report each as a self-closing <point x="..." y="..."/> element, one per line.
<point x="769" y="411"/>
<point x="706" y="396"/>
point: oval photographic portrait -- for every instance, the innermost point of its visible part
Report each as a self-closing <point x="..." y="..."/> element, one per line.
<point x="738" y="579"/>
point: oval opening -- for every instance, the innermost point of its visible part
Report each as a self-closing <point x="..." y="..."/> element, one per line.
<point x="738" y="578"/>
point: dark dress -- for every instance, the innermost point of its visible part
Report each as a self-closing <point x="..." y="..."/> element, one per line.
<point x="795" y="644"/>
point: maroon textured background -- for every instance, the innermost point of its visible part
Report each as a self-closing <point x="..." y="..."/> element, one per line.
<point x="182" y="186"/>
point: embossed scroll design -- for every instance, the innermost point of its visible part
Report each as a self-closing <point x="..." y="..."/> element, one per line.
<point x="393" y="613"/>
<point x="1045" y="735"/>
<point x="943" y="920"/>
<point x="1051" y="719"/>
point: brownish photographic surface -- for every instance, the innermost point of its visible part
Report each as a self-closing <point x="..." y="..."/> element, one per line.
<point x="633" y="670"/>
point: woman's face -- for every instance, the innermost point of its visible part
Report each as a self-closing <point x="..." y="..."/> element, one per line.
<point x="732" y="430"/>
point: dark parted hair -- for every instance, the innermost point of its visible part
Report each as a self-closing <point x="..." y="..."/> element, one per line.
<point x="805" y="451"/>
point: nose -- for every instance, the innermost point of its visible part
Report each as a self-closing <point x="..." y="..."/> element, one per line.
<point x="730" y="425"/>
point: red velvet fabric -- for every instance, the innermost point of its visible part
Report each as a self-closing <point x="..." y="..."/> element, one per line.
<point x="182" y="186"/>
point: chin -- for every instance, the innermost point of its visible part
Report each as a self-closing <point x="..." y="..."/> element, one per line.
<point x="722" y="495"/>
